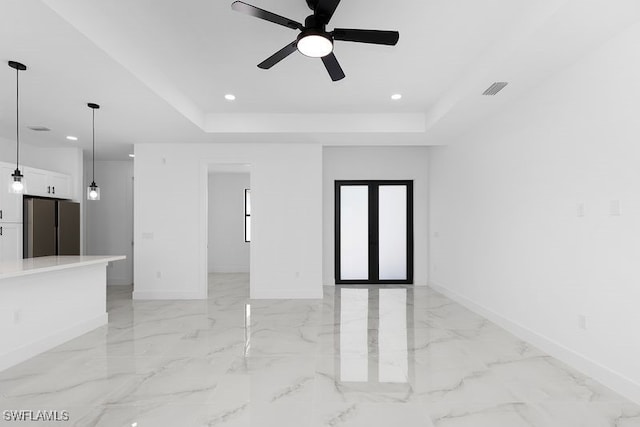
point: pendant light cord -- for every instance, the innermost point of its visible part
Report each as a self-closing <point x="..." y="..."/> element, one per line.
<point x="93" y="161"/>
<point x="17" y="118"/>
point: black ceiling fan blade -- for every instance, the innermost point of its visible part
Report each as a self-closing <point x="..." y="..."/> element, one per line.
<point x="333" y="67"/>
<point x="278" y="56"/>
<point x="248" y="9"/>
<point x="366" y="36"/>
<point x="325" y="9"/>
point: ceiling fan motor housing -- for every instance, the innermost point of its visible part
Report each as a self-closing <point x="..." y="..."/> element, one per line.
<point x="312" y="22"/>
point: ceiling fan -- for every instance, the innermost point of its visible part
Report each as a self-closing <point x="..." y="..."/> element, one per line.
<point x="314" y="40"/>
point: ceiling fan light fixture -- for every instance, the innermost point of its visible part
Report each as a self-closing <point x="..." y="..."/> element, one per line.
<point x="314" y="44"/>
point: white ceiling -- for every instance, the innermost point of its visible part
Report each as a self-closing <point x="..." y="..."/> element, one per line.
<point x="160" y="68"/>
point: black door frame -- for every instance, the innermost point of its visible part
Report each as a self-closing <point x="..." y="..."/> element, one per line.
<point x="373" y="187"/>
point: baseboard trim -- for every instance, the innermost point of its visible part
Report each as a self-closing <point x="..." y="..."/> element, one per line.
<point x="119" y="282"/>
<point x="33" y="349"/>
<point x="229" y="269"/>
<point x="165" y="295"/>
<point x="601" y="373"/>
<point x="286" y="294"/>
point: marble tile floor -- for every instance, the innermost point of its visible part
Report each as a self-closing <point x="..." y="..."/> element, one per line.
<point x="363" y="356"/>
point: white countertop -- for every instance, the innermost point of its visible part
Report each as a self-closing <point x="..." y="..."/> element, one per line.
<point x="51" y="263"/>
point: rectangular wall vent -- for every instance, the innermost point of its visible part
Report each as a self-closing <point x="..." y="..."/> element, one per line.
<point x="495" y="88"/>
<point x="39" y="128"/>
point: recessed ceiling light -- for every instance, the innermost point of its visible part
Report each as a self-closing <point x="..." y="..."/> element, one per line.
<point x="72" y="138"/>
<point x="230" y="97"/>
<point x="396" y="96"/>
<point x="132" y="155"/>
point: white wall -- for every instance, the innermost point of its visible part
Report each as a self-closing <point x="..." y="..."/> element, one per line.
<point x="109" y="221"/>
<point x="376" y="163"/>
<point x="509" y="237"/>
<point x="228" y="252"/>
<point x="170" y="219"/>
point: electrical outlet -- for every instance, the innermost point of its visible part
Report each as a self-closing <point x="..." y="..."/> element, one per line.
<point x="614" y="208"/>
<point x="582" y="321"/>
<point x="580" y="210"/>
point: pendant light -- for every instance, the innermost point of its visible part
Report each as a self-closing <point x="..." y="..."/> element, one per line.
<point x="17" y="185"/>
<point x="93" y="191"/>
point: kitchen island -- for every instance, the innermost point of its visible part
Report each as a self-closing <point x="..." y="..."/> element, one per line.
<point x="46" y="301"/>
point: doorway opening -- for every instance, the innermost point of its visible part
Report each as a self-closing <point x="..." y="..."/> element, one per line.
<point x="228" y="251"/>
<point x="374" y="232"/>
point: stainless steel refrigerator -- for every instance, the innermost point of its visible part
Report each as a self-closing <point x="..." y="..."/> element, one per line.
<point x="51" y="227"/>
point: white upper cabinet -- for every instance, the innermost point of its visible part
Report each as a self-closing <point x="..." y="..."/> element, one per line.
<point x="35" y="181"/>
<point x="10" y="203"/>
<point x="39" y="182"/>
<point x="60" y="185"/>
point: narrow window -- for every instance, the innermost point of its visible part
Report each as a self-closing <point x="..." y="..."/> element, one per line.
<point x="247" y="215"/>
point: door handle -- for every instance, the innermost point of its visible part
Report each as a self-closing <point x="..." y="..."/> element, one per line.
<point x="54" y="190"/>
<point x="0" y="231"/>
<point x="0" y="213"/>
<point x="48" y="189"/>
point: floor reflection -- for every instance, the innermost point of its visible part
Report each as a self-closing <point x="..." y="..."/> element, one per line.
<point x="373" y="332"/>
<point x="369" y="356"/>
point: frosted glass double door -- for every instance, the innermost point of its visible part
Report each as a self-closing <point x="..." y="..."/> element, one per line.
<point x="374" y="232"/>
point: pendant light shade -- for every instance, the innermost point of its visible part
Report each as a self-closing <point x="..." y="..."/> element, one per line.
<point x="93" y="191"/>
<point x="17" y="183"/>
<point x="17" y="186"/>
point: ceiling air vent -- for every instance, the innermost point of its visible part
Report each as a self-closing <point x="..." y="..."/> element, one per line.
<point x="39" y="128"/>
<point x="495" y="88"/>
